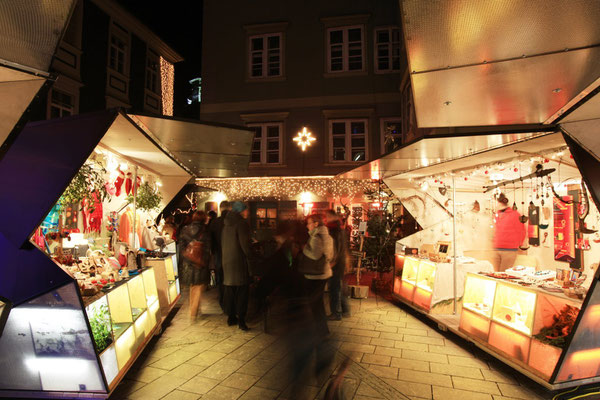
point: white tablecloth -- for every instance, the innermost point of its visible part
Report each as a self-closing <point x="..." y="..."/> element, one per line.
<point x="442" y="287"/>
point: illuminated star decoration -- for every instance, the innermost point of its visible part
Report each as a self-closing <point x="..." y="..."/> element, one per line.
<point x="304" y="138"/>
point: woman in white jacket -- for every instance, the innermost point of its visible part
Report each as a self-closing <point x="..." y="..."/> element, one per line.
<point x="319" y="245"/>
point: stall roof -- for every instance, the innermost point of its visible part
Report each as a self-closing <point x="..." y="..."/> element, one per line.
<point x="29" y="35"/>
<point x="206" y="149"/>
<point x="500" y="62"/>
<point x="436" y="150"/>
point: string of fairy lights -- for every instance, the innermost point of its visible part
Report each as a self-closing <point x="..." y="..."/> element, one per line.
<point x="167" y="79"/>
<point x="286" y="187"/>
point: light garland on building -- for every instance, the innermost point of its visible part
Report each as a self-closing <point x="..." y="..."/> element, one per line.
<point x="167" y="79"/>
<point x="280" y="188"/>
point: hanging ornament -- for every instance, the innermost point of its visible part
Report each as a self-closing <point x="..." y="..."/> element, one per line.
<point x="516" y="169"/>
<point x="486" y="172"/>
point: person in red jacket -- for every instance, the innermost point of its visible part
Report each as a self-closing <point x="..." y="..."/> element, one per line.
<point x="509" y="235"/>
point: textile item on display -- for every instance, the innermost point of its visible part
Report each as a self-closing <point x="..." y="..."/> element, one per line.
<point x="50" y="223"/>
<point x="92" y="214"/>
<point x="119" y="182"/>
<point x="125" y="228"/>
<point x="129" y="183"/>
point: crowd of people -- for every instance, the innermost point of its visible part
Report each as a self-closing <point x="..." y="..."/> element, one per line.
<point x="308" y="254"/>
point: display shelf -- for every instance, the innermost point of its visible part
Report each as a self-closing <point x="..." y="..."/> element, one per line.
<point x="98" y="315"/>
<point x="426" y="275"/>
<point x="173" y="292"/>
<point x="411" y="270"/>
<point x="479" y="295"/>
<point x="514" y="307"/>
<point x="120" y="310"/>
<point x="125" y="346"/>
<point x="137" y="296"/>
<point x="170" y="268"/>
<point x="108" y="359"/>
<point x="150" y="286"/>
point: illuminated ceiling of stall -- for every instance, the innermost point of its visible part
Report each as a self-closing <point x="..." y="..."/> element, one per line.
<point x="29" y="35"/>
<point x="500" y="62"/>
<point x="432" y="150"/>
<point x="206" y="149"/>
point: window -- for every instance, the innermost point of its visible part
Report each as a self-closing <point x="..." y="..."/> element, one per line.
<point x="152" y="70"/>
<point x="387" y="49"/>
<point x="345" y="49"/>
<point x="348" y="140"/>
<point x="391" y="134"/>
<point x="265" y="55"/>
<point x="118" y="48"/>
<point x="266" y="148"/>
<point x="61" y="104"/>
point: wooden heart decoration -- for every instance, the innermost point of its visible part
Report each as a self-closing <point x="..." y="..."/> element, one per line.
<point x="443" y="190"/>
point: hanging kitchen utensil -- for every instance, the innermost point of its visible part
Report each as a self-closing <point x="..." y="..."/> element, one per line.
<point x="523" y="217"/>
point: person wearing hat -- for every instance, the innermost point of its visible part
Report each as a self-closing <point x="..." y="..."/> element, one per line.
<point x="508" y="236"/>
<point x="235" y="247"/>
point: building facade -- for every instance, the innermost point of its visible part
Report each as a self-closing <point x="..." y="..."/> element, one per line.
<point x="337" y="68"/>
<point x="107" y="58"/>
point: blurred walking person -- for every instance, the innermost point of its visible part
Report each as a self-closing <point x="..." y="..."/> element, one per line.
<point x="235" y="242"/>
<point x="338" y="303"/>
<point x="216" y="233"/>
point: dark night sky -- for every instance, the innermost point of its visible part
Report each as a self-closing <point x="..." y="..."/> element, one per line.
<point x="179" y="24"/>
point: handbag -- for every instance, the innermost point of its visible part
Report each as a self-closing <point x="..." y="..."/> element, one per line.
<point x="308" y="266"/>
<point x="194" y="252"/>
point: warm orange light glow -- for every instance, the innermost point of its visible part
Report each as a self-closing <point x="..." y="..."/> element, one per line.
<point x="593" y="313"/>
<point x="509" y="341"/>
<point x="304" y="138"/>
<point x="422" y="298"/>
<point x="375" y="171"/>
<point x="586" y="355"/>
<point x="474" y="324"/>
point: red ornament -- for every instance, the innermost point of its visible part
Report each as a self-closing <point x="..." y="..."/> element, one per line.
<point x="465" y="178"/>
<point x="435" y="181"/>
<point x="546" y="160"/>
<point x="516" y="169"/>
<point x="571" y="156"/>
<point x="486" y="172"/>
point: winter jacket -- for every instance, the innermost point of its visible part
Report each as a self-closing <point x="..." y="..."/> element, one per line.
<point x="196" y="231"/>
<point x="340" y="248"/>
<point x="510" y="232"/>
<point x="235" y="246"/>
<point x="319" y="243"/>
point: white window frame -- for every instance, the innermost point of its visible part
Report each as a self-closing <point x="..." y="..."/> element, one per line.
<point x="348" y="139"/>
<point x="390" y="47"/>
<point x="382" y="123"/>
<point x="264" y="142"/>
<point x="345" y="51"/>
<point x="61" y="107"/>
<point x="123" y="36"/>
<point x="265" y="55"/>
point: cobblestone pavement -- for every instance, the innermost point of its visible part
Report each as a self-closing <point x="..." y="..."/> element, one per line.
<point x="395" y="356"/>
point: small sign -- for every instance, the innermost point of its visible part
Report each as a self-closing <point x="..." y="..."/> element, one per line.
<point x="362" y="227"/>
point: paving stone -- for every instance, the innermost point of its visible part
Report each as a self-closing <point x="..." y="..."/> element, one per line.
<point x="444" y="393"/>
<point x="244" y="353"/>
<point x="497" y="376"/>
<point x="240" y="381"/>
<point x="467" y="362"/>
<point x="386" y="328"/>
<point x="397" y="324"/>
<point x="126" y="387"/>
<point x="223" y="393"/>
<point x="376" y="359"/>
<point x="222" y="369"/>
<point x="199" y="347"/>
<point x="382" y="342"/>
<point x="424" y="377"/>
<point x="173" y="360"/>
<point x="449" y="369"/>
<point x="435" y="333"/>
<point x="408" y="388"/>
<point x="258" y="393"/>
<point x="415" y="365"/>
<point x="424" y="339"/>
<point x="199" y="385"/>
<point x="355" y="339"/>
<point x="518" y="392"/>
<point x="386" y="351"/>
<point x="186" y="371"/>
<point x="419" y="355"/>
<point x="390" y="335"/>
<point x="364" y="332"/>
<point x="164" y="351"/>
<point x="401" y="344"/>
<point x="475" y="385"/>
<point x="412" y="330"/>
<point x="147" y="374"/>
<point x="257" y="366"/>
<point x="157" y="388"/>
<point x="362" y="348"/>
<point x="228" y="345"/>
<point x="207" y="358"/>
<point x="367" y="391"/>
<point x="450" y="350"/>
<point x="384" y="372"/>
<point x="181" y="395"/>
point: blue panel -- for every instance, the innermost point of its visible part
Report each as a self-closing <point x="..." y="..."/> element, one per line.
<point x="39" y="166"/>
<point x="25" y="273"/>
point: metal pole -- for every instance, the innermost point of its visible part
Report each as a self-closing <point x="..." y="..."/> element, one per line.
<point x="454" y="240"/>
<point x="134" y="191"/>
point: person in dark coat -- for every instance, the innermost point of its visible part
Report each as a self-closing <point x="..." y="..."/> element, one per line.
<point x="338" y="303"/>
<point x="235" y="242"/>
<point x="216" y="232"/>
<point x="195" y="270"/>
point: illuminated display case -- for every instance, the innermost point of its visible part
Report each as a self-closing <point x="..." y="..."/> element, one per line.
<point x="137" y="296"/>
<point x="416" y="284"/>
<point x="514" y="307"/>
<point x="398" y="269"/>
<point x="167" y="281"/>
<point x="478" y="301"/>
<point x="426" y="275"/>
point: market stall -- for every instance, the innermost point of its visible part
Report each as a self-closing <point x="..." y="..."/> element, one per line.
<point x="539" y="313"/>
<point x="88" y="275"/>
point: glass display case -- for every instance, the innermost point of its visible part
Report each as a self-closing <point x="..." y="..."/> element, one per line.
<point x="99" y="318"/>
<point x="479" y="295"/>
<point x="137" y="296"/>
<point x="426" y="275"/>
<point x="120" y="310"/>
<point x="514" y="307"/>
<point x="398" y="267"/>
<point x="410" y="271"/>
